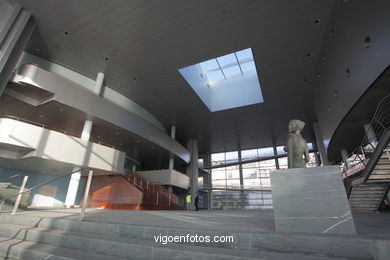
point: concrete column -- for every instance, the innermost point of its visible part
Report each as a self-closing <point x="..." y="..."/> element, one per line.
<point x="371" y="136"/>
<point x="74" y="182"/>
<point x="99" y="84"/>
<point x="208" y="180"/>
<point x="86" y="134"/>
<point x="171" y="159"/>
<point x="242" y="198"/>
<point x="192" y="169"/>
<point x="320" y="144"/>
<point x="72" y="189"/>
<point x="344" y="155"/>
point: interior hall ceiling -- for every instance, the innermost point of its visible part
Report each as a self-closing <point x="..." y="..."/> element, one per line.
<point x="140" y="45"/>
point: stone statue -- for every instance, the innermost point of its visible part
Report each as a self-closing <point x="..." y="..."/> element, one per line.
<point x="296" y="146"/>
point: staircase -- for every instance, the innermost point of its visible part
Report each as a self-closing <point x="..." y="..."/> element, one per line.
<point x="155" y="196"/>
<point x="368" y="180"/>
<point x="27" y="237"/>
<point x="367" y="197"/>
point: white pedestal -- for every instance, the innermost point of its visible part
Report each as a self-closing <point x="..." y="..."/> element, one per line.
<point x="311" y="200"/>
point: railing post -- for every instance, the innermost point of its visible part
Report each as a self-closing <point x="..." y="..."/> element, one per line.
<point x="157" y="199"/>
<point x="85" y="199"/>
<point x="169" y="200"/>
<point x="19" y="196"/>
<point x="147" y="184"/>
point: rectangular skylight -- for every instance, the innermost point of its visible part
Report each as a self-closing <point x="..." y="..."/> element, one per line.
<point x="225" y="82"/>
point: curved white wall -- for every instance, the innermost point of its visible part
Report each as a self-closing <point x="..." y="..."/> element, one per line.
<point x="89" y="84"/>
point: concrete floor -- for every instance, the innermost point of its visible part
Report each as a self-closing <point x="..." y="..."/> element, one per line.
<point x="375" y="225"/>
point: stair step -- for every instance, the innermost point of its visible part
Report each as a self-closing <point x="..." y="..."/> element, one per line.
<point x="26" y="250"/>
<point x="102" y="236"/>
<point x="123" y="248"/>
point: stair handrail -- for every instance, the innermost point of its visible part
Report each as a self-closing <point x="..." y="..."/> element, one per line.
<point x="11" y="177"/>
<point x="380" y="126"/>
<point x="172" y="198"/>
<point x="38" y="186"/>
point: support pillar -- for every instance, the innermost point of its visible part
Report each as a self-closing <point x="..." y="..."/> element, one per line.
<point x="208" y="180"/>
<point x="171" y="159"/>
<point x="320" y="144"/>
<point x="242" y="198"/>
<point x="74" y="182"/>
<point x="192" y="169"/>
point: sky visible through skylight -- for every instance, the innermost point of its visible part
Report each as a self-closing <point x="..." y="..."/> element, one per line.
<point x="224" y="67"/>
<point x="225" y="82"/>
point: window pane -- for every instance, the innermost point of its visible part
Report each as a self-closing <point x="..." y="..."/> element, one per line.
<point x="252" y="183"/>
<point x="232" y="157"/>
<point x="217" y="158"/>
<point x="283" y="163"/>
<point x="233" y="184"/>
<point x="312" y="160"/>
<point x="251" y="173"/>
<point x="232" y="172"/>
<point x="221" y="184"/>
<point x="218" y="174"/>
<point x="249" y="154"/>
<point x="280" y="150"/>
<point x="268" y="151"/>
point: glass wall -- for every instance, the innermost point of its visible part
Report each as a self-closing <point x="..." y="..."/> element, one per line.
<point x="227" y="199"/>
<point x="256" y="190"/>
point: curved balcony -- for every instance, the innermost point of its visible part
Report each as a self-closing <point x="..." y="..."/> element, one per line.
<point x="47" y="92"/>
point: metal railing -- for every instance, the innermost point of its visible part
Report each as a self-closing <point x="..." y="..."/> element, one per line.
<point x="153" y="193"/>
<point x="375" y="135"/>
<point x="22" y="191"/>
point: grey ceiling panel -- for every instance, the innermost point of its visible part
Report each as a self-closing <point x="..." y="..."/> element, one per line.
<point x="140" y="45"/>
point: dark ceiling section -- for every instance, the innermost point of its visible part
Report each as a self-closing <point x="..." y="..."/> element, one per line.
<point x="140" y="45"/>
<point x="350" y="132"/>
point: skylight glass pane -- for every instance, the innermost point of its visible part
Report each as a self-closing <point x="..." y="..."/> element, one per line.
<point x="232" y="71"/>
<point x="244" y="55"/>
<point x="227" y="60"/>
<point x="221" y="84"/>
<point x="209" y="65"/>
<point x="248" y="66"/>
<point x="214" y="76"/>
